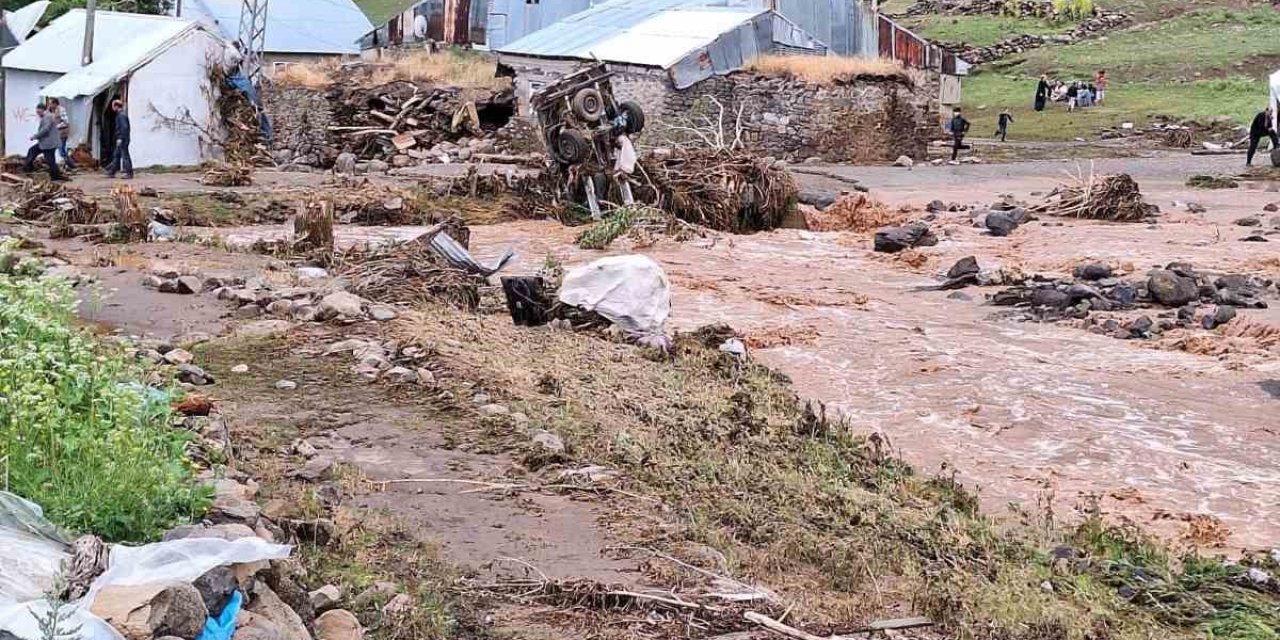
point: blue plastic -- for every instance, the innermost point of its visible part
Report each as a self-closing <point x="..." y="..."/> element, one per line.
<point x="223" y="626"/>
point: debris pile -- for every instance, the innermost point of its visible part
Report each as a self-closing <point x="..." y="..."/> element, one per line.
<point x="226" y="174"/>
<point x="1115" y="198"/>
<point x="241" y="138"/>
<point x="855" y="212"/>
<point x="737" y="193"/>
<point x="405" y="123"/>
<point x="1211" y="182"/>
<point x="52" y="202"/>
<point x="376" y="205"/>
<point x="408" y="273"/>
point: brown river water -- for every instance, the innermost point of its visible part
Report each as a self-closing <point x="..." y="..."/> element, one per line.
<point x="1022" y="411"/>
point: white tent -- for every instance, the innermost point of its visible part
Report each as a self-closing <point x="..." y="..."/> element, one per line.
<point x="157" y="64"/>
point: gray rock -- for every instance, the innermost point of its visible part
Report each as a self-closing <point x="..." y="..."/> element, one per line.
<point x="549" y="441"/>
<point x="378" y="166"/>
<point x="967" y="266"/>
<point x="150" y="611"/>
<point x="322" y="600"/>
<point x="399" y="605"/>
<point x="178" y="356"/>
<point x="401" y="375"/>
<point x="494" y="410"/>
<point x="382" y="313"/>
<point x="1094" y="271"/>
<point x="374" y="596"/>
<point x="286" y="385"/>
<point x="312" y="273"/>
<point x="1080" y="292"/>
<point x="191" y="374"/>
<point x="1003" y="223"/>
<point x="896" y="239"/>
<point x="1140" y="326"/>
<point x="216" y="587"/>
<point x="1220" y="316"/>
<point x="152" y="282"/>
<point x="1050" y="298"/>
<point x="340" y="304"/>
<point x="305" y="313"/>
<point x="338" y="624"/>
<point x="267" y="604"/>
<point x="249" y="311"/>
<point x="281" y="308"/>
<point x="1256" y="236"/>
<point x="168" y="286"/>
<point x="315" y="470"/>
<point x="1250" y="221"/>
<point x="188" y="285"/>
<point x="1172" y="290"/>
<point x="819" y="199"/>
<point x="251" y="626"/>
<point x="345" y="163"/>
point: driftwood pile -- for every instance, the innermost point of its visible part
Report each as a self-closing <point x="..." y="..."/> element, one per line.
<point x="1115" y="198"/>
<point x="45" y="201"/>
<point x="226" y="174"/>
<point x="414" y="121"/>
<point x="409" y="273"/>
<point x="737" y="193"/>
<point x="241" y="138"/>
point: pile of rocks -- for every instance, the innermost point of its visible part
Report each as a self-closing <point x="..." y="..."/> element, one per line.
<point x="1187" y="297"/>
<point x="1100" y="23"/>
<point x="389" y="361"/>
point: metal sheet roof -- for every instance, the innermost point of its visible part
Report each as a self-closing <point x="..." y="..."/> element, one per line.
<point x="120" y="42"/>
<point x="293" y="26"/>
<point x="22" y="21"/>
<point x="657" y="33"/>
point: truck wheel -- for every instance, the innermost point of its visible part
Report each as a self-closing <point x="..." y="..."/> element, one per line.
<point x="635" y="116"/>
<point x="588" y="104"/>
<point x="571" y="147"/>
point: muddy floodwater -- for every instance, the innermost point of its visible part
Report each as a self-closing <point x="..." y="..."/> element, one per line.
<point x="1022" y="411"/>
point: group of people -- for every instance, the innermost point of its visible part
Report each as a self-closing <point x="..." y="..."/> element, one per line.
<point x="54" y="129"/>
<point x="1076" y="94"/>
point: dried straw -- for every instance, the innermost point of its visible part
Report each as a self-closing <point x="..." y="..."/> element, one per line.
<point x="1115" y="198"/>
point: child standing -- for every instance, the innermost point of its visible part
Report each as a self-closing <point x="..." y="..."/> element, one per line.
<point x="1101" y="83"/>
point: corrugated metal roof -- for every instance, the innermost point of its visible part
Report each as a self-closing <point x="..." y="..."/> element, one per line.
<point x="22" y="21"/>
<point x="293" y="26"/>
<point x="657" y="33"/>
<point x="120" y="42"/>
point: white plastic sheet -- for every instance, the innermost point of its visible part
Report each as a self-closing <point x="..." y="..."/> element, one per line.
<point x="179" y="560"/>
<point x="32" y="552"/>
<point x="631" y="291"/>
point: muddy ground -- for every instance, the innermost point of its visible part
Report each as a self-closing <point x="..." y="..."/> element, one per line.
<point x="1022" y="411"/>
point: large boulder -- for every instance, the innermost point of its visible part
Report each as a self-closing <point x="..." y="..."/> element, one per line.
<point x="151" y="611"/>
<point x="1004" y="222"/>
<point x="267" y="604"/>
<point x="216" y="587"/>
<point x="895" y="239"/>
<point x="338" y="624"/>
<point x="1172" y="290"/>
<point x="251" y="626"/>
<point x="340" y="304"/>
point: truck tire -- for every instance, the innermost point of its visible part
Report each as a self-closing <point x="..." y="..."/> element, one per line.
<point x="635" y="116"/>
<point x="588" y="105"/>
<point x="571" y="147"/>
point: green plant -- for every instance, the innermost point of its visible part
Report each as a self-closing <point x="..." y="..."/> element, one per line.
<point x="1073" y="9"/>
<point x="83" y="438"/>
<point x="55" y="623"/>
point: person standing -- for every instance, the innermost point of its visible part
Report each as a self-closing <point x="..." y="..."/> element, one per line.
<point x="46" y="144"/>
<point x="1073" y="96"/>
<point x="120" y="158"/>
<point x="1101" y="83"/>
<point x="63" y="123"/>
<point x="958" y="128"/>
<point x="1042" y="92"/>
<point x="1261" y="128"/>
<point x="1002" y="124"/>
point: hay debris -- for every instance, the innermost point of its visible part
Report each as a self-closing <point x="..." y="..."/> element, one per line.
<point x="313" y="226"/>
<point x="1178" y="139"/>
<point x="225" y="174"/>
<point x="45" y="201"/>
<point x="1115" y="198"/>
<point x="733" y="192"/>
<point x="408" y="273"/>
<point x="1211" y="182"/>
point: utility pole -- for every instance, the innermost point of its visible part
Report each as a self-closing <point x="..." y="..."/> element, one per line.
<point x="253" y="37"/>
<point x="86" y="58"/>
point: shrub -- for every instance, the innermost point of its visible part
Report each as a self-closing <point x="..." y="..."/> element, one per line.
<point x="78" y="434"/>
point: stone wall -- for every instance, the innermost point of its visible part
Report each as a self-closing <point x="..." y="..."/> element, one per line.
<point x="863" y="120"/>
<point x="300" y="120"/>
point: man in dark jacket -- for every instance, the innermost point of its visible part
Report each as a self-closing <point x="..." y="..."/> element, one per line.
<point x="47" y="139"/>
<point x="959" y="128"/>
<point x="1260" y="129"/>
<point x="120" y="160"/>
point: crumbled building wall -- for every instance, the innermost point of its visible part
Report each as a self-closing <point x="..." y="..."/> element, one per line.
<point x="300" y="121"/>
<point x="860" y="121"/>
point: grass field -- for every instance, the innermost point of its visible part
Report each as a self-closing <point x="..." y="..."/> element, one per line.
<point x="1198" y="65"/>
<point x="981" y="31"/>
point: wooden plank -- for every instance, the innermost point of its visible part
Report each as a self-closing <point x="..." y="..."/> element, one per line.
<point x="900" y="623"/>
<point x="404" y="141"/>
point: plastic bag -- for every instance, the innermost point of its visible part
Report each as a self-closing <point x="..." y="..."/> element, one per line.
<point x="179" y="561"/>
<point x="1275" y="101"/>
<point x="223" y="626"/>
<point x="631" y="291"/>
<point x="32" y="550"/>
